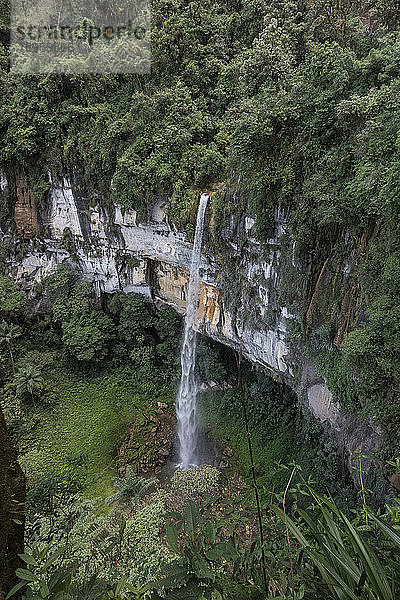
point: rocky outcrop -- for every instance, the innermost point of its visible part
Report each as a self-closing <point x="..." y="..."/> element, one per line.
<point x="149" y="442"/>
<point x="25" y="212"/>
<point x="241" y="292"/>
<point x="321" y="404"/>
<point x="171" y="284"/>
<point x="114" y="252"/>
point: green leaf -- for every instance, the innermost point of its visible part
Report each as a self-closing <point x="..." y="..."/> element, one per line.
<point x="28" y="559"/>
<point x="26" y="575"/>
<point x="214" y="554"/>
<point x="44" y="589"/>
<point x="330" y="575"/>
<point x="209" y="531"/>
<point x="389" y="531"/>
<point x="372" y="565"/>
<point x="15" y="589"/>
<point x="60" y="582"/>
<point x="202" y="568"/>
<point x="172" y="537"/>
<point x="110" y="547"/>
<point x="174" y="580"/>
<point x="192" y="516"/>
<point x="189" y="591"/>
<point x="53" y="557"/>
<point x="120" y="585"/>
<point x="175" y="515"/>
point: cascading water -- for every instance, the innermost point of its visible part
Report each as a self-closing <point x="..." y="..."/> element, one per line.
<point x="186" y="401"/>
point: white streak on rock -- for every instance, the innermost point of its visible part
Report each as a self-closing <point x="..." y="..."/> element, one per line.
<point x="63" y="211"/>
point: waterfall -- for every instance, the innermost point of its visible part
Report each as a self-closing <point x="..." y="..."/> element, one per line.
<point x="186" y="401"/>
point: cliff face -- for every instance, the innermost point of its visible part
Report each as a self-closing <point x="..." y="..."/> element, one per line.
<point x="114" y="252"/>
<point x="25" y="213"/>
<point x="240" y="301"/>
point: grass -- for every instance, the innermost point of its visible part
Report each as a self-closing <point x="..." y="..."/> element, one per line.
<point x="92" y="414"/>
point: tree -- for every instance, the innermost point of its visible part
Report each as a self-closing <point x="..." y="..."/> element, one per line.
<point x="135" y="317"/>
<point x="11" y="298"/>
<point x="88" y="334"/>
<point x="29" y="380"/>
<point x="8" y="333"/>
<point x="68" y="293"/>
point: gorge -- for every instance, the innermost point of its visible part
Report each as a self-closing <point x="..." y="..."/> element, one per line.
<point x="113" y="251"/>
<point x="200" y="266"/>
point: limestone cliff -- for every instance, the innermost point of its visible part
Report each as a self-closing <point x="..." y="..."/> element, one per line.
<point x="242" y="289"/>
<point x="25" y="212"/>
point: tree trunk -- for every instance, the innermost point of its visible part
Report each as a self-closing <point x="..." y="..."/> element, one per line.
<point x="12" y="509"/>
<point x="12" y="357"/>
<point x="33" y="400"/>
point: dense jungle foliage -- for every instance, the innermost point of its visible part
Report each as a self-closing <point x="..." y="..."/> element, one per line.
<point x="289" y="103"/>
<point x="98" y="525"/>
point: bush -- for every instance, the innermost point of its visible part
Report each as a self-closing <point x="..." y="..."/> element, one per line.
<point x="196" y="482"/>
<point x="12" y="299"/>
<point x="88" y="335"/>
<point x="57" y="485"/>
<point x="131" y="487"/>
<point x="105" y="547"/>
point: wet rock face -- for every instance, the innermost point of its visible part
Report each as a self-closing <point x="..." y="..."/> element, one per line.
<point x="25" y="212"/>
<point x="115" y="252"/>
<point x="321" y="404"/>
<point x="240" y="302"/>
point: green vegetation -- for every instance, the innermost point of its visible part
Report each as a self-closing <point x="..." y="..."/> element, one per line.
<point x="102" y="547"/>
<point x="222" y="412"/>
<point x="9" y="333"/>
<point x="195" y="482"/>
<point x="290" y="104"/>
<point x="92" y="415"/>
<point x="279" y="432"/>
<point x="297" y="98"/>
<point x="130" y="487"/>
<point x="84" y="401"/>
<point x="212" y="549"/>
<point x="95" y="532"/>
<point x="12" y="299"/>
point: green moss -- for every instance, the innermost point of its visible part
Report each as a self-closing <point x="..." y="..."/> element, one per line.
<point x="92" y="415"/>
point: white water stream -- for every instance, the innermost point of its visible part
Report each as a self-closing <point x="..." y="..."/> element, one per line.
<point x="186" y="401"/>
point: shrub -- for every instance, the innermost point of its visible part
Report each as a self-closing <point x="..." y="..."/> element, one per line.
<point x="131" y="487"/>
<point x="196" y="482"/>
<point x="87" y="335"/>
<point x="106" y="547"/>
